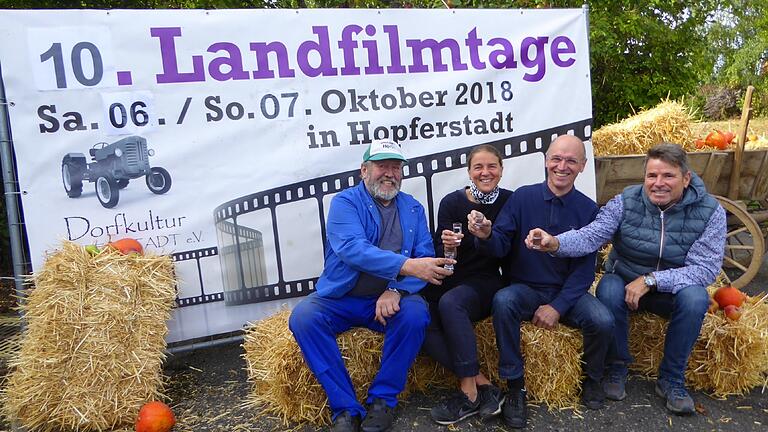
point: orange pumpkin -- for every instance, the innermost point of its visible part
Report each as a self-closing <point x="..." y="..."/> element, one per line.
<point x="729" y="136"/>
<point x="127" y="245"/>
<point x="718" y="139"/>
<point x="729" y="296"/>
<point x="155" y="416"/>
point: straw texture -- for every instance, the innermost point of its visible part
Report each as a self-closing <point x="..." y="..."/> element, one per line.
<point x="552" y="362"/>
<point x="756" y="144"/>
<point x="283" y="386"/>
<point x="668" y="121"/>
<point x="93" y="350"/>
<point x="729" y="358"/>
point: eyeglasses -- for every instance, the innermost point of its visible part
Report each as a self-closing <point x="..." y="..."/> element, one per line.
<point x="568" y="161"/>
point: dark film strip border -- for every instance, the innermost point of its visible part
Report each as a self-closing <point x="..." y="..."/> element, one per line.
<point x="424" y="166"/>
<point x="225" y="215"/>
<point x="197" y="255"/>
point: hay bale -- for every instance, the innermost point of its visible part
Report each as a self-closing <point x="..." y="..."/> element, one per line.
<point x="729" y="357"/>
<point x="284" y="387"/>
<point x="93" y="349"/>
<point x="552" y="362"/>
<point x="646" y="342"/>
<point x="668" y="121"/>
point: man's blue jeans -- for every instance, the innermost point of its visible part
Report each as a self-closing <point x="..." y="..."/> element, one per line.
<point x="518" y="302"/>
<point x="685" y="311"/>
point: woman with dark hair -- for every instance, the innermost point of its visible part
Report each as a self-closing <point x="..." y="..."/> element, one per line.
<point x="466" y="296"/>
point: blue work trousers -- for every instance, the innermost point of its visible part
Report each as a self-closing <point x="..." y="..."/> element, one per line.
<point x="685" y="311"/>
<point x="316" y="321"/>
<point x="518" y="302"/>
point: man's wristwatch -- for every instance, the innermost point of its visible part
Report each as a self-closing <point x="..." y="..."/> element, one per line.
<point x="650" y="281"/>
<point x="402" y="293"/>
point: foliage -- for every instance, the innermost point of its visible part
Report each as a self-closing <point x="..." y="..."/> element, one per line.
<point x="738" y="41"/>
<point x="641" y="52"/>
<point x="644" y="53"/>
<point x="129" y="4"/>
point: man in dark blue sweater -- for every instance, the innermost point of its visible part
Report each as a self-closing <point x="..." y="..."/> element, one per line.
<point x="544" y="289"/>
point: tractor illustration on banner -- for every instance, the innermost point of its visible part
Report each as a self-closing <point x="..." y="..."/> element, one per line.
<point x="112" y="166"/>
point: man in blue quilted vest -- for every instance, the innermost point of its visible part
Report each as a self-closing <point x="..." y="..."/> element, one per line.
<point x="668" y="238"/>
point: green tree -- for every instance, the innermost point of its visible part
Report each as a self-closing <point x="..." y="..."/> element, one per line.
<point x="738" y="41"/>
<point x="643" y="53"/>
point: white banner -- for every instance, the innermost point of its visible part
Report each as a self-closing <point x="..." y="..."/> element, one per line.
<point x="220" y="136"/>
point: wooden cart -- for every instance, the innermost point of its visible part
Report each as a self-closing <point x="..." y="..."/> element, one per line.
<point x="738" y="179"/>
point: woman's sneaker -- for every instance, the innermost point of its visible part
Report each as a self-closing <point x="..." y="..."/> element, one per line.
<point x="491" y="399"/>
<point x="455" y="409"/>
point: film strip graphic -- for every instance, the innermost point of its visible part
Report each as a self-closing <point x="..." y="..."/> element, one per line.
<point x="254" y="255"/>
<point x="198" y="255"/>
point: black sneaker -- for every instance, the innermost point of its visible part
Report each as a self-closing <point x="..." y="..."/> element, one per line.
<point x="514" y="411"/>
<point x="346" y="422"/>
<point x="491" y="398"/>
<point x="455" y="409"/>
<point x="592" y="395"/>
<point x="614" y="383"/>
<point x="379" y="417"/>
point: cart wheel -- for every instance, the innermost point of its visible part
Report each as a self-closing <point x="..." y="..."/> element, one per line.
<point x="744" y="244"/>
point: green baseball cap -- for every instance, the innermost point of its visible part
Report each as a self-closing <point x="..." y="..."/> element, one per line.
<point x="383" y="149"/>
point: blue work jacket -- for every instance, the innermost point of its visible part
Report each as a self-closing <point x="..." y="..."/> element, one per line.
<point x="353" y="229"/>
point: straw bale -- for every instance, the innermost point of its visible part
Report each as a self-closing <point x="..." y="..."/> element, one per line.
<point x="282" y="383"/>
<point x="552" y="362"/>
<point x="93" y="349"/>
<point x="729" y="357"/>
<point x="283" y="386"/>
<point x="668" y="121"/>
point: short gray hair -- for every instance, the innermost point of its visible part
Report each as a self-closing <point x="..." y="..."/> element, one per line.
<point x="670" y="153"/>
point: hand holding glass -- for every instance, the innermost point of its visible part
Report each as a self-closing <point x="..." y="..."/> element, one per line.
<point x="479" y="218"/>
<point x="536" y="241"/>
<point x="452" y="251"/>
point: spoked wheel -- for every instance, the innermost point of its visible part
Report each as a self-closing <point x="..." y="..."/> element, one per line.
<point x="744" y="244"/>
